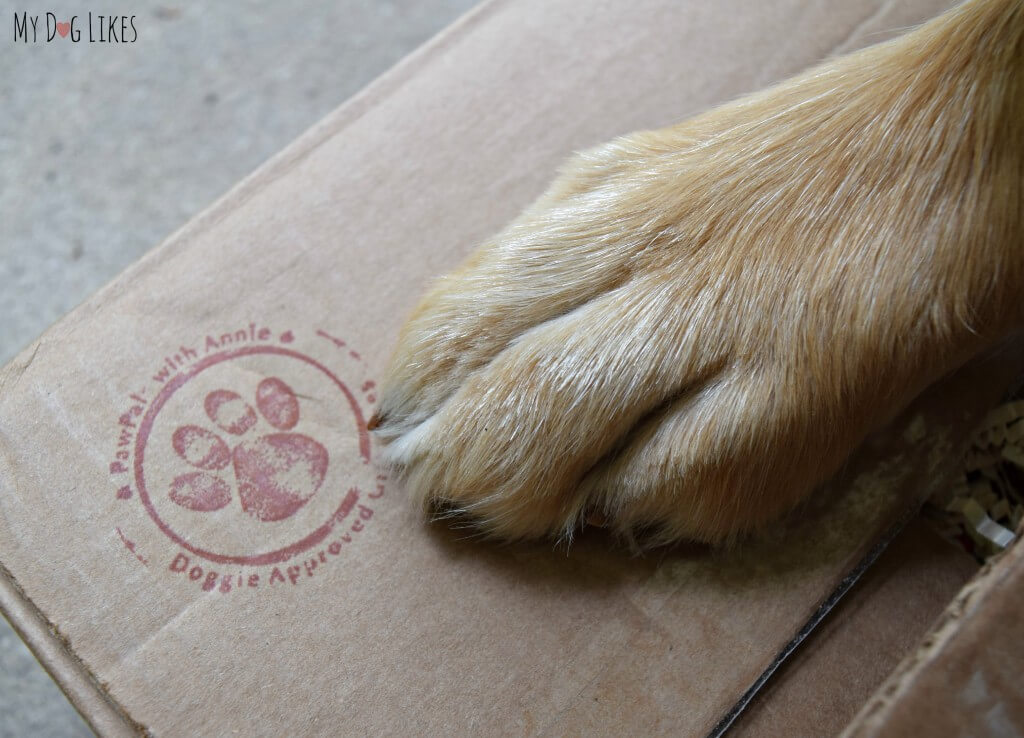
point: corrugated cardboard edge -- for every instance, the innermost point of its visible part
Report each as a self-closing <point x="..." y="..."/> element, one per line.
<point x="54" y="651"/>
<point x="969" y="603"/>
<point x="50" y="647"/>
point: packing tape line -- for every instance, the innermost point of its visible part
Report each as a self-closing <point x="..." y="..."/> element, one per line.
<point x="865" y="563"/>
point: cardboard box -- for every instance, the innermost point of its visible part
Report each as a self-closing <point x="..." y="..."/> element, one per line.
<point x="168" y="594"/>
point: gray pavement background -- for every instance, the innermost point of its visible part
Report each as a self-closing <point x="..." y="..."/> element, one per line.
<point x="107" y="148"/>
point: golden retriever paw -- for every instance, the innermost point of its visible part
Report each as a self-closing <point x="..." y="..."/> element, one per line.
<point x="693" y="327"/>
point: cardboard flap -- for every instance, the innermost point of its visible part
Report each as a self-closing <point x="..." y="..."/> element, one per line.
<point x="964" y="679"/>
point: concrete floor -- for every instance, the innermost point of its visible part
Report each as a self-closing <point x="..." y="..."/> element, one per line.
<point x="107" y="148"/>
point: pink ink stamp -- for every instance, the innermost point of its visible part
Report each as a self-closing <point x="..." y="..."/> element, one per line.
<point x="249" y="449"/>
<point x="275" y="474"/>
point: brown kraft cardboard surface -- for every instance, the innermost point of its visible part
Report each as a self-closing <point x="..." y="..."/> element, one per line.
<point x="194" y="536"/>
<point x="826" y="682"/>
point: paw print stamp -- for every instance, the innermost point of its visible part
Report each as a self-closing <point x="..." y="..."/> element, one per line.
<point x="254" y="456"/>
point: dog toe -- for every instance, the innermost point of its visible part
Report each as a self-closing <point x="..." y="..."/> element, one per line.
<point x="513" y="441"/>
<point x="558" y="255"/>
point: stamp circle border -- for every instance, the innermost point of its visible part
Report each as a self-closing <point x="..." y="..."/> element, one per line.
<point x="269" y="557"/>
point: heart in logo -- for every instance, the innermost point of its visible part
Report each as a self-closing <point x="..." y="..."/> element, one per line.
<point x="63" y="29"/>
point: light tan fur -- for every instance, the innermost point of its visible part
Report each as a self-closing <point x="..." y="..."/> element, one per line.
<point x="695" y="326"/>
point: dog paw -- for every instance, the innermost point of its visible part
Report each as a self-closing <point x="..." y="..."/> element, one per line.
<point x="693" y="327"/>
<point x="275" y="474"/>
